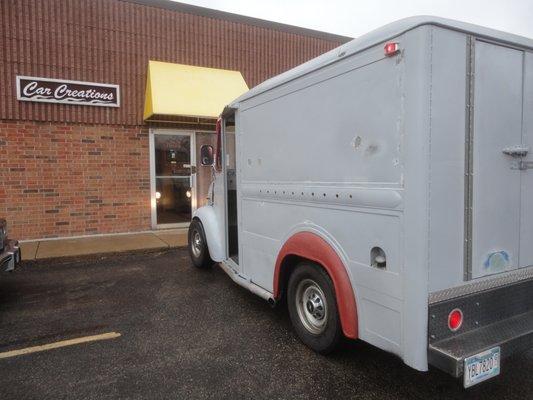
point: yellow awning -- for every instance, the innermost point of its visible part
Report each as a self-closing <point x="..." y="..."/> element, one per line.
<point x="184" y="90"/>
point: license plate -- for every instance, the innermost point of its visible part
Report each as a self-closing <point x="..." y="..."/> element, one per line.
<point x="482" y="366"/>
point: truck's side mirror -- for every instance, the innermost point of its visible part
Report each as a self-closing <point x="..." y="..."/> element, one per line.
<point x="207" y="155"/>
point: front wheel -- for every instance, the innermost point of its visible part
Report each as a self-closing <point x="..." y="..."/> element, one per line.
<point x="313" y="308"/>
<point x="197" y="245"/>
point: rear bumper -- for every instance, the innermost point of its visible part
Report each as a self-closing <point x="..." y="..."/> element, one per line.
<point x="497" y="317"/>
<point x="11" y="256"/>
<point x="512" y="335"/>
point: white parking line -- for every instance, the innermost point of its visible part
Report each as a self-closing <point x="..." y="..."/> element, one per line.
<point x="62" y="343"/>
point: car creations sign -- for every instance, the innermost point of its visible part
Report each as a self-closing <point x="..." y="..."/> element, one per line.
<point x="67" y="92"/>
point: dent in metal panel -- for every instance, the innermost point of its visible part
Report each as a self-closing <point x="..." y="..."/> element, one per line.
<point x="293" y="114"/>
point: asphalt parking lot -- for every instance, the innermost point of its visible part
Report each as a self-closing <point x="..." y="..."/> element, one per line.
<point x="192" y="334"/>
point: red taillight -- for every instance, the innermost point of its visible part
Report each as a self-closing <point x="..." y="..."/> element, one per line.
<point x="391" y="49"/>
<point x="455" y="320"/>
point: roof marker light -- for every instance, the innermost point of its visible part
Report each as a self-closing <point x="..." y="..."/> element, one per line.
<point x="391" y="49"/>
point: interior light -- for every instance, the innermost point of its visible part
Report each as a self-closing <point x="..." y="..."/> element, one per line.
<point x="188" y="194"/>
<point x="157" y="195"/>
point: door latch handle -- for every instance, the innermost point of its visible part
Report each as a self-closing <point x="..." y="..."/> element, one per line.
<point x="516" y="151"/>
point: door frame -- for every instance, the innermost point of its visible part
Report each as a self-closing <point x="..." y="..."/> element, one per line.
<point x="224" y="160"/>
<point x="153" y="201"/>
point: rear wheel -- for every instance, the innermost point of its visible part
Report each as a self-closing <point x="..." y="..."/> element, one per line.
<point x="313" y="307"/>
<point x="198" y="250"/>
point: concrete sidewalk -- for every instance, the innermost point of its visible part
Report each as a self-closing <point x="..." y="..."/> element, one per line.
<point x="39" y="249"/>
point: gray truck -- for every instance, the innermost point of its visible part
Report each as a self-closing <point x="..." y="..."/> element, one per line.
<point x="385" y="189"/>
<point x="9" y="249"/>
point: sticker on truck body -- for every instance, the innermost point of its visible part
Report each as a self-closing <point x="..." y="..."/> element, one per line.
<point x="497" y="261"/>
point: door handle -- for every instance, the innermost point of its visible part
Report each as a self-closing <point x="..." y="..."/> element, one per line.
<point x="516" y="151"/>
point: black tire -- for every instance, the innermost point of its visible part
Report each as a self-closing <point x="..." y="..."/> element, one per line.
<point x="320" y="334"/>
<point x="197" y="245"/>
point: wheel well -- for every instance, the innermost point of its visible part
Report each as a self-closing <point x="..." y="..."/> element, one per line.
<point x="307" y="246"/>
<point x="288" y="265"/>
<point x="196" y="219"/>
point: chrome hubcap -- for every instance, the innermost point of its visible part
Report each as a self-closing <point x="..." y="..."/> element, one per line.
<point x="311" y="306"/>
<point x="196" y="244"/>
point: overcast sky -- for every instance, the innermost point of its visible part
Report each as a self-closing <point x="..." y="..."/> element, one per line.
<point x="356" y="17"/>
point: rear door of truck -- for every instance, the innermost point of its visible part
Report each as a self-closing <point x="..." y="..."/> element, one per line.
<point x="501" y="184"/>
<point x="475" y="325"/>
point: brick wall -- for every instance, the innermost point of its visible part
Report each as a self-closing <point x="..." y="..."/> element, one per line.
<point x="111" y="41"/>
<point x="62" y="179"/>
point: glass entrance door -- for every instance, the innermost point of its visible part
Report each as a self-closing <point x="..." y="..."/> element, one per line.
<point x="173" y="170"/>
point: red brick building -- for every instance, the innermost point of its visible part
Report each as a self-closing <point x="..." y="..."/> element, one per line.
<point x="70" y="168"/>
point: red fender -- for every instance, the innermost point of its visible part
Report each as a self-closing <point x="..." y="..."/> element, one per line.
<point x="313" y="247"/>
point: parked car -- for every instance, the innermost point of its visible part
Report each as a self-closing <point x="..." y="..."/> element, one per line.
<point x="385" y="189"/>
<point x="10" y="255"/>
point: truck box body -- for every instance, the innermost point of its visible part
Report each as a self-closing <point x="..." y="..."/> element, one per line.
<point x="421" y="155"/>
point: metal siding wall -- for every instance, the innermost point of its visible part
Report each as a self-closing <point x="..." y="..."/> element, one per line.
<point x="111" y="41"/>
